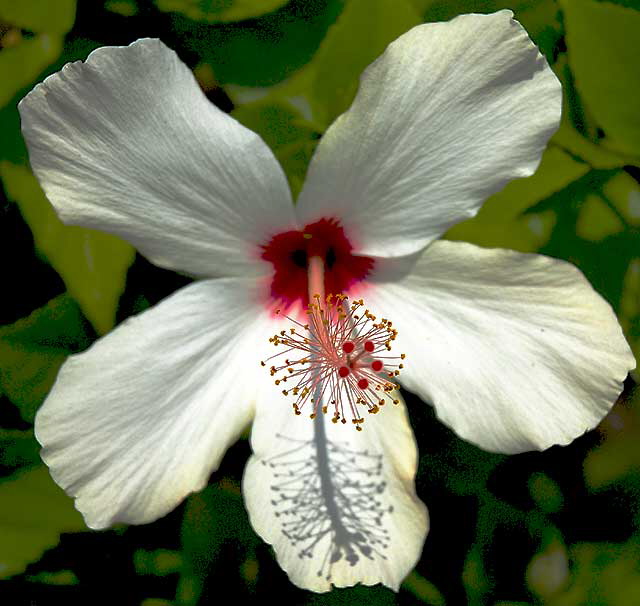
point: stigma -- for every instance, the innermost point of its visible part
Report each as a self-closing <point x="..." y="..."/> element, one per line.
<point x="338" y="362"/>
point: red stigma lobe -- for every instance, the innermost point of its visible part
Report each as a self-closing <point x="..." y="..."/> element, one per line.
<point x="348" y="347"/>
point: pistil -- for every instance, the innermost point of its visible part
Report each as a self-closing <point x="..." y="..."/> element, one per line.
<point x="339" y="360"/>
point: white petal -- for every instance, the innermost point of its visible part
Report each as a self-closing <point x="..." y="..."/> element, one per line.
<point x="515" y="351"/>
<point x="128" y="143"/>
<point x="338" y="506"/>
<point x="140" y="420"/>
<point x="443" y="119"/>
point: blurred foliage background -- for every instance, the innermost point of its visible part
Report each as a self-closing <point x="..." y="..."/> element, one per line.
<point x="560" y="527"/>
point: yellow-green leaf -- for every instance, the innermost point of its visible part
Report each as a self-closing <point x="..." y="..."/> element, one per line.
<point x="56" y="16"/>
<point x="359" y="36"/>
<point x="500" y="222"/>
<point x="617" y="457"/>
<point x="92" y="264"/>
<point x="570" y="140"/>
<point x="548" y="571"/>
<point x="601" y="573"/>
<point x="604" y="47"/>
<point x="609" y="210"/>
<point x="212" y="11"/>
<point x="21" y="64"/>
<point x="33" y="514"/>
<point x="423" y="589"/>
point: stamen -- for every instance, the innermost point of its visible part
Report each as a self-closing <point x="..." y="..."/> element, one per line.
<point x="338" y="366"/>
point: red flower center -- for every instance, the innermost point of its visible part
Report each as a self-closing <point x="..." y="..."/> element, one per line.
<point x="290" y="251"/>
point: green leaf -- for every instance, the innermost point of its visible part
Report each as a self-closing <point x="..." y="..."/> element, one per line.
<point x="359" y="36"/>
<point x="126" y="8"/>
<point x="32" y="350"/>
<point x="33" y="514"/>
<point x="500" y="222"/>
<point x="18" y="448"/>
<point x="12" y="147"/>
<point x="220" y="11"/>
<point x="60" y="577"/>
<point x="93" y="265"/>
<point x="160" y="562"/>
<point x="329" y="82"/>
<point x="546" y="493"/>
<point x="266" y="50"/>
<point x="285" y="131"/>
<point x="604" y="46"/>
<point x="212" y="518"/>
<point x="629" y="310"/>
<point x="295" y="159"/>
<point x="537" y="17"/>
<point x="476" y="581"/>
<point x="39" y="15"/>
<point x="276" y="121"/>
<point x="21" y="64"/>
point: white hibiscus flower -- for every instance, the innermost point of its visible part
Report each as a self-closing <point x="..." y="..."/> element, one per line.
<point x="514" y="351"/>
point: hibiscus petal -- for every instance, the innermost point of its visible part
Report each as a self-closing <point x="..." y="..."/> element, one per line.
<point x="128" y="143"/>
<point x="140" y="419"/>
<point x="338" y="506"/>
<point x="443" y="119"/>
<point x="515" y="351"/>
